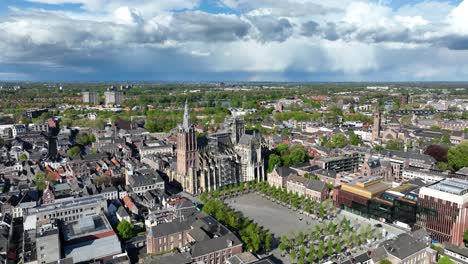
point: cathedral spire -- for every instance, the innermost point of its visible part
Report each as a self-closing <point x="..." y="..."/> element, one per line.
<point x="186" y="122"/>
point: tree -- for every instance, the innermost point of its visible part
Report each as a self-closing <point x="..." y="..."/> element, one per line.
<point x="458" y="156"/>
<point x="338" y="141"/>
<point x="321" y="211"/>
<point x="204" y="197"/>
<point x="273" y="161"/>
<point x="302" y="252"/>
<point x="300" y="238"/>
<point x="74" y="151"/>
<point x="439" y="153"/>
<point x="394" y="144"/>
<point x="282" y="247"/>
<point x="354" y="139"/>
<point x="307" y="206"/>
<point x="320" y="253"/>
<point x="125" y="230"/>
<point x="293" y="254"/>
<point x="442" y="166"/>
<point x="338" y="247"/>
<point x="83" y="139"/>
<point x="331" y="228"/>
<point x="23" y="156"/>
<point x="311" y="256"/>
<point x="268" y="240"/>
<point x="439" y="249"/>
<point x="465" y="236"/>
<point x="39" y="179"/>
<point x="330" y="248"/>
<point x="445" y="260"/>
<point x="284" y="242"/>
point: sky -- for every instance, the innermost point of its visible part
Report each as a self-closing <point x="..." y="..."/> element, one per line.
<point x="233" y="40"/>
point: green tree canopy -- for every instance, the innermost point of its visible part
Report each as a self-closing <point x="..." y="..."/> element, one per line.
<point x="458" y="156"/>
<point x="23" y="156"/>
<point x="83" y="139"/>
<point x="354" y="139"/>
<point x="285" y="155"/>
<point x="273" y="160"/>
<point x="125" y="230"/>
<point x="74" y="151"/>
<point x="445" y="260"/>
<point x="39" y="180"/>
<point x="268" y="241"/>
<point x="394" y="144"/>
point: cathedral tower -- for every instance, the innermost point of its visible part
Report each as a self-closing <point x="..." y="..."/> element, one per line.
<point x="377" y="125"/>
<point x="187" y="151"/>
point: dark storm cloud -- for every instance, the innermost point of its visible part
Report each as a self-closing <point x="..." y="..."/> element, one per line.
<point x="201" y="26"/>
<point x="271" y="28"/>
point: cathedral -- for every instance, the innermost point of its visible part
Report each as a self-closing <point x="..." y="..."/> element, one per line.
<point x="229" y="156"/>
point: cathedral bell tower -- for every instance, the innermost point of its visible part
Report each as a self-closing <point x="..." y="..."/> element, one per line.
<point x="187" y="150"/>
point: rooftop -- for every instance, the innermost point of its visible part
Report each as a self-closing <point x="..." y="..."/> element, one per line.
<point x="463" y="251"/>
<point x="367" y="187"/>
<point x="403" y="246"/>
<point x="67" y="202"/>
<point x="86" y="226"/>
<point x="451" y="185"/>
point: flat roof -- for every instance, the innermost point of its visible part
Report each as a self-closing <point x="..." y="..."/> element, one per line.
<point x="67" y="202"/>
<point x="451" y="185"/>
<point x="86" y="226"/>
<point x="368" y="191"/>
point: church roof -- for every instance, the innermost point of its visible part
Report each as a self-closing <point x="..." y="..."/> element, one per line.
<point x="246" y="139"/>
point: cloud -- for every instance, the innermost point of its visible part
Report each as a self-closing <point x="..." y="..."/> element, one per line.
<point x="270" y="28"/>
<point x="147" y="7"/>
<point x="202" y="26"/>
<point x="282" y="40"/>
<point x="285" y="8"/>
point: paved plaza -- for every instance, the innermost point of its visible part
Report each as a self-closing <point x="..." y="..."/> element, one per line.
<point x="276" y="218"/>
<point x="280" y="220"/>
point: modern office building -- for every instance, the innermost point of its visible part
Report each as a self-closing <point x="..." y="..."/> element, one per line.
<point x="90" y="98"/>
<point x="113" y="98"/>
<point x="348" y="162"/>
<point x="443" y="210"/>
<point x="371" y="197"/>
